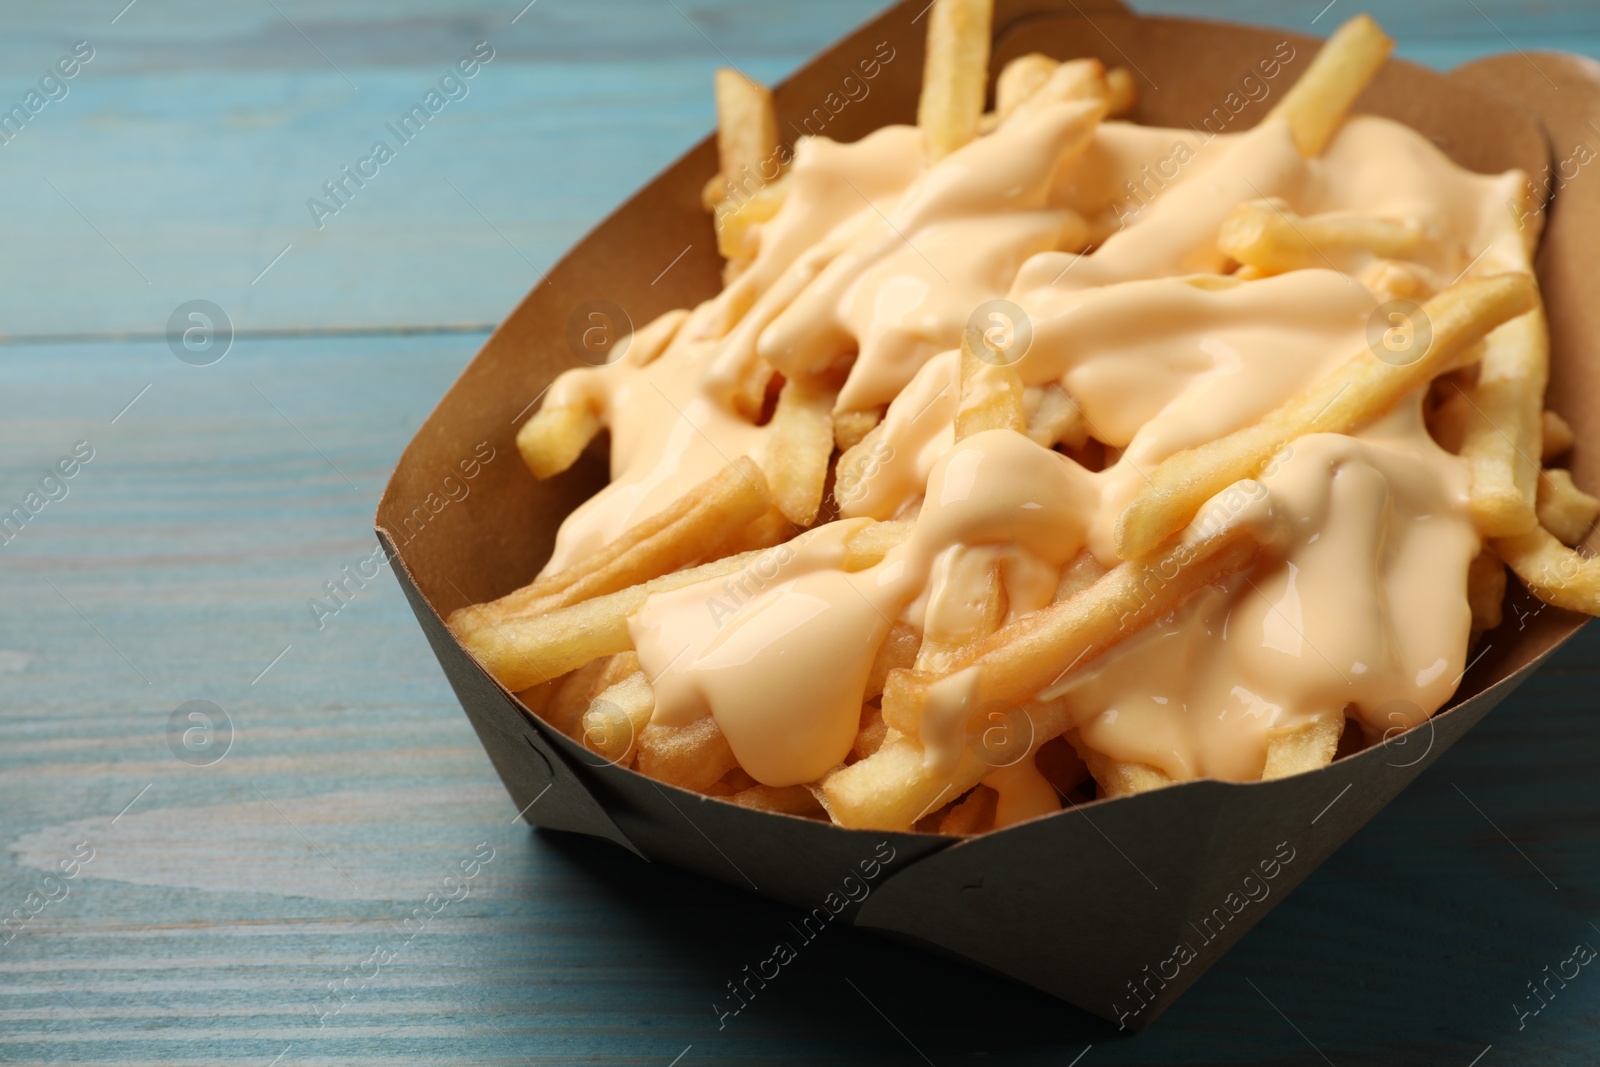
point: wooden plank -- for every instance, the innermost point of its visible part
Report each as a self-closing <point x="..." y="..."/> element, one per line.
<point x="180" y="163"/>
<point x="222" y="902"/>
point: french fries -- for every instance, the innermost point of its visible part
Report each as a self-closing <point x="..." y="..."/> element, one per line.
<point x="1037" y="651"/>
<point x="1360" y="389"/>
<point x="1274" y="241"/>
<point x="1310" y="747"/>
<point x="1316" y="105"/>
<point x="989" y="625"/>
<point x="731" y="500"/>
<point x="1503" y="437"/>
<point x="955" y="76"/>
<point x="802" y="443"/>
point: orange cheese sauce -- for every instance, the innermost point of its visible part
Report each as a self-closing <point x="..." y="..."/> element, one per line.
<point x="870" y="272"/>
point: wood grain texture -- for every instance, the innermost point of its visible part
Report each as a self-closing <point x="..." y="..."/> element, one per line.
<point x="221" y="901"/>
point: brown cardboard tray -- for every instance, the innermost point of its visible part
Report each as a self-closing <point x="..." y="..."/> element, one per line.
<point x="1117" y="906"/>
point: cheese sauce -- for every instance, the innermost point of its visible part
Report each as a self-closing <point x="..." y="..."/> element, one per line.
<point x="1105" y="235"/>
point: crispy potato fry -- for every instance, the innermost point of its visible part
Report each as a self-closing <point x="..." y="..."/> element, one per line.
<point x="1556" y="436"/>
<point x="1114" y="778"/>
<point x="850" y="428"/>
<point x="1034" y="653"/>
<point x="784" y="799"/>
<point x="868" y="545"/>
<point x="735" y="498"/>
<point x="1309" y="747"/>
<point x="1364" y="387"/>
<point x="691" y="757"/>
<point x="1503" y="436"/>
<point x="797" y="452"/>
<point x="896" y="786"/>
<point x="956" y="74"/>
<point x="1076" y="79"/>
<point x="1053" y="417"/>
<point x="1486" y="590"/>
<point x="1316" y="105"/>
<point x="1564" y="509"/>
<point x="521" y="652"/>
<point x="749" y="394"/>
<point x="973" y="814"/>
<point x="991" y="397"/>
<point x="899" y="649"/>
<point x="872" y="734"/>
<point x="572" y="696"/>
<point x="1124" y="92"/>
<point x="1266" y="236"/>
<point x="1553" y="572"/>
<point x="737" y="218"/>
<point x="617" y="715"/>
<point x="1020" y="79"/>
<point x="554" y="438"/>
<point x="860" y="462"/>
<point x="747" y="135"/>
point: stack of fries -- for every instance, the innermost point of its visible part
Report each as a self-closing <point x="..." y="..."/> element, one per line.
<point x="807" y="475"/>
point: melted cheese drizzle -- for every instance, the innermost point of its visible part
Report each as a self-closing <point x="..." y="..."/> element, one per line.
<point x="874" y="264"/>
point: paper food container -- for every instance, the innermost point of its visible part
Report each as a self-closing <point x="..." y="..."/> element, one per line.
<point x="1117" y="906"/>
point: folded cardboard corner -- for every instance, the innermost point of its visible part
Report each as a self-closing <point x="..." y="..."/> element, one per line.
<point x="1176" y="871"/>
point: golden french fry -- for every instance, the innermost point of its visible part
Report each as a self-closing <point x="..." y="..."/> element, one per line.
<point x="521" y="652"/>
<point x="554" y="438"/>
<point x="1266" y="236"/>
<point x="1564" y="509"/>
<point x="973" y="814"/>
<point x="1020" y="79"/>
<point x="692" y="757"/>
<point x="750" y="393"/>
<point x="1503" y="435"/>
<point x="734" y="498"/>
<point x="850" y="428"/>
<point x="857" y="464"/>
<point x="1360" y="389"/>
<point x="1317" y="104"/>
<point x="868" y="545"/>
<point x="1124" y="91"/>
<point x="1486" y="590"/>
<point x="991" y="397"/>
<point x="1115" y="778"/>
<point x="618" y="715"/>
<point x="1053" y="417"/>
<point x="736" y="219"/>
<point x="1556" y="436"/>
<point x="785" y="800"/>
<point x="1309" y="747"/>
<point x="1032" y="654"/>
<point x="1076" y="79"/>
<point x="572" y="696"/>
<point x="899" y="649"/>
<point x="1389" y="279"/>
<point x="798" y="449"/>
<point x="1553" y="572"/>
<point x="956" y="74"/>
<point x="747" y="135"/>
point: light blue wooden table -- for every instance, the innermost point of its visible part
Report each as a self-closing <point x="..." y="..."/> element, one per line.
<point x="211" y="907"/>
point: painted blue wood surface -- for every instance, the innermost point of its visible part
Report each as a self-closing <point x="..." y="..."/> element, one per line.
<point x="222" y="902"/>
